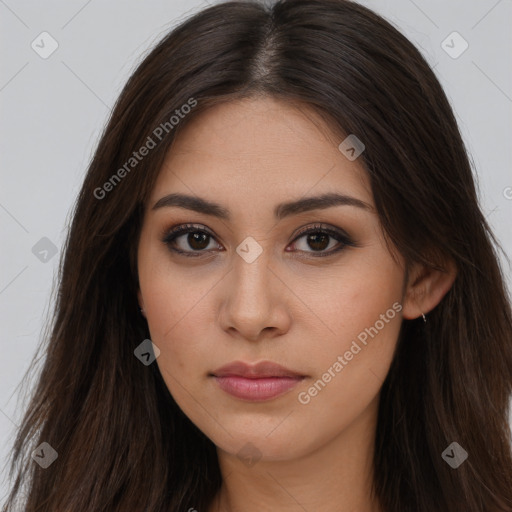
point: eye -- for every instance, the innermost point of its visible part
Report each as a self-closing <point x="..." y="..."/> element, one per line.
<point x="192" y="240"/>
<point x="320" y="238"/>
<point x="196" y="238"/>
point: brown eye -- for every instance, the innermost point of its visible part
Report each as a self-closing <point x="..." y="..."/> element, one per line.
<point x="188" y="240"/>
<point x="198" y="240"/>
<point x="319" y="239"/>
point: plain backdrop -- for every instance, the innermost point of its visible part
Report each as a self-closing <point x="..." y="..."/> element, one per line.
<point x="53" y="110"/>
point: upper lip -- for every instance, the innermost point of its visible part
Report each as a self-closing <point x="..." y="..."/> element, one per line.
<point x="255" y="371"/>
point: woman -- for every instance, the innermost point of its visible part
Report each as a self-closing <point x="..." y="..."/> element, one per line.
<point x="278" y="291"/>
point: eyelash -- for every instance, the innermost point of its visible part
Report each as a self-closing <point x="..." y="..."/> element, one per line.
<point x="171" y="235"/>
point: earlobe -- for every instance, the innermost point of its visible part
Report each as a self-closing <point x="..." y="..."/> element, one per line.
<point x="426" y="289"/>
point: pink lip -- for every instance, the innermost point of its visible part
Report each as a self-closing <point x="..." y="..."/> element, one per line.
<point x="262" y="381"/>
<point x="257" y="389"/>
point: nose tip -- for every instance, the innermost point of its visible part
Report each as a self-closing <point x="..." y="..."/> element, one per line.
<point x="252" y="305"/>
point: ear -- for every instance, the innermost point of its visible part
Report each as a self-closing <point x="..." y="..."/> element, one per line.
<point x="426" y="287"/>
<point x="141" y="302"/>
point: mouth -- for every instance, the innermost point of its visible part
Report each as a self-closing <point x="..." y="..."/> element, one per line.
<point x="259" y="382"/>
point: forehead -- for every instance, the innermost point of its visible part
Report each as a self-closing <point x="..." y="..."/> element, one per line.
<point x="262" y="149"/>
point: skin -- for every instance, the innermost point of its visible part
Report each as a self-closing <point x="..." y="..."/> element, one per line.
<point x="288" y="306"/>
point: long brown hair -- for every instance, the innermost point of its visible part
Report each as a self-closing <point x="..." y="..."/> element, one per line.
<point x="122" y="442"/>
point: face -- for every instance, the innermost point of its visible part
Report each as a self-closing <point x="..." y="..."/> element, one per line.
<point x="248" y="283"/>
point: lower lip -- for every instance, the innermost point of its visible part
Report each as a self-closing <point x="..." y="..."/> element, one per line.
<point x="257" y="389"/>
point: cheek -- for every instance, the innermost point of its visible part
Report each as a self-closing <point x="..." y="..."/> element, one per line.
<point x="362" y="310"/>
<point x="173" y="296"/>
<point x="174" y="320"/>
<point x="174" y="325"/>
<point x="354" y="296"/>
<point x="181" y="324"/>
<point x="172" y="303"/>
<point x="350" y="372"/>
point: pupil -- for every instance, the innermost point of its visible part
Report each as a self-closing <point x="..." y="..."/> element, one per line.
<point x="194" y="240"/>
<point x="318" y="238"/>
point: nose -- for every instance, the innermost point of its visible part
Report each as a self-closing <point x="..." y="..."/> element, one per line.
<point x="255" y="301"/>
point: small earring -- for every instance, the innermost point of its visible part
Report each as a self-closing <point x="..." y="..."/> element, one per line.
<point x="424" y="319"/>
<point x="141" y="311"/>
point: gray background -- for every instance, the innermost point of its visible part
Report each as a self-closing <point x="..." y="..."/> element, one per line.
<point x="53" y="109"/>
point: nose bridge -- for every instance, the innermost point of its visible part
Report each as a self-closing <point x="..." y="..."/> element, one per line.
<point x="250" y="304"/>
<point x="251" y="274"/>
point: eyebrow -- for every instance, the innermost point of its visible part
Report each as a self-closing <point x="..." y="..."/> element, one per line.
<point x="281" y="211"/>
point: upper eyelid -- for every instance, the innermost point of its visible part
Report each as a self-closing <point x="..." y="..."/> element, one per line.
<point x="182" y="229"/>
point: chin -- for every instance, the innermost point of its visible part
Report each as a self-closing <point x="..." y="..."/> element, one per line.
<point x="263" y="443"/>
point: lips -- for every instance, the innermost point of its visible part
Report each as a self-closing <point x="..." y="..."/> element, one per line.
<point x="259" y="382"/>
<point x="260" y="370"/>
